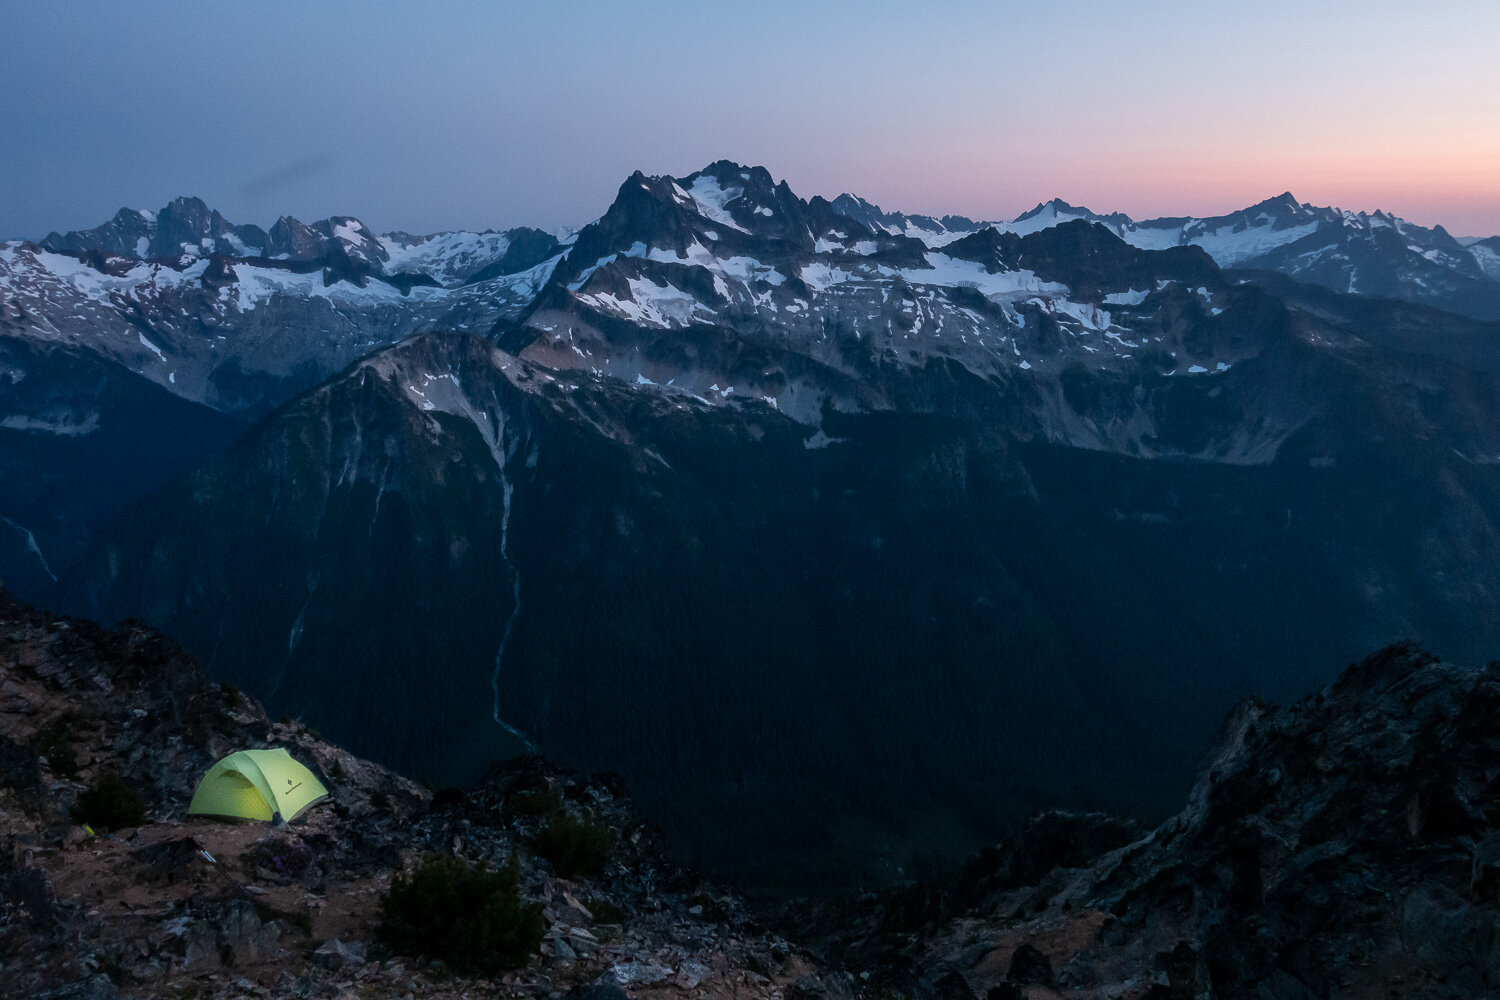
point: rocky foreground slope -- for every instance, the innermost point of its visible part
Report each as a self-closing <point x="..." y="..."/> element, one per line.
<point x="1344" y="846"/>
<point x="196" y="908"/>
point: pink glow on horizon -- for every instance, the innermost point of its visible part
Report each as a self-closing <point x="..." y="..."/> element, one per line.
<point x="528" y="114"/>
<point x="1461" y="196"/>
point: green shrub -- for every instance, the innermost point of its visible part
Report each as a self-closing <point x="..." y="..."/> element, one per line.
<point x="574" y="846"/>
<point x="110" y="804"/>
<point x="55" y="742"/>
<point x="470" y="917"/>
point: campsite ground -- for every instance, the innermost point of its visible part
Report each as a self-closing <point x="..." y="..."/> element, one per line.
<point x="195" y="907"/>
<point x="105" y="876"/>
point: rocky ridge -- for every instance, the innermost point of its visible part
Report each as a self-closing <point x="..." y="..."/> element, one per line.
<point x="198" y="907"/>
<point x="1344" y="846"/>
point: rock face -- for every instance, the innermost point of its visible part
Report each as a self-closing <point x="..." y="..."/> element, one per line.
<point x="1342" y="846"/>
<point x="196" y="906"/>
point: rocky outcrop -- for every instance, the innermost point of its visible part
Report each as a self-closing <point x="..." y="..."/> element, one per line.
<point x="1347" y="845"/>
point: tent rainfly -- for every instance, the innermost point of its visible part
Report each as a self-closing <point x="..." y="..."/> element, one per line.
<point x="257" y="784"/>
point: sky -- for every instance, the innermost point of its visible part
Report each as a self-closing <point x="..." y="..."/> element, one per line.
<point x="432" y="116"/>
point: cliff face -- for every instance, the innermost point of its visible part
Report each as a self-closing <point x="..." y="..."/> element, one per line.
<point x="192" y="906"/>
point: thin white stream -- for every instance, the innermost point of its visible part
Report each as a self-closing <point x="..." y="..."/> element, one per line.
<point x="515" y="610"/>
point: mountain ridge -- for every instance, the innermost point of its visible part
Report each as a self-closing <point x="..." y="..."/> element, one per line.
<point x="1346" y="251"/>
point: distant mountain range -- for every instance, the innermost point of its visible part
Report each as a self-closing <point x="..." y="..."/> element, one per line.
<point x="1363" y="254"/>
<point x="842" y="533"/>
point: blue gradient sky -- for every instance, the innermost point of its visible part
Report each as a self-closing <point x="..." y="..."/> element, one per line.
<point x="444" y="115"/>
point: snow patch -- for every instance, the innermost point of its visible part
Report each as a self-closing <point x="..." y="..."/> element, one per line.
<point x="712" y="199"/>
<point x="64" y="425"/>
<point x="651" y="304"/>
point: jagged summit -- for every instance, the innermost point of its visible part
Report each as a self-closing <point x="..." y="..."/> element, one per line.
<point x="1055" y="206"/>
<point x="1285" y="200"/>
<point x="729" y="249"/>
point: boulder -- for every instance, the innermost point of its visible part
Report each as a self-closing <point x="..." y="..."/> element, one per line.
<point x="335" y="954"/>
<point x="638" y="973"/>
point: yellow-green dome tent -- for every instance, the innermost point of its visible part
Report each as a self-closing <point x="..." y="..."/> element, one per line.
<point x="257" y="784"/>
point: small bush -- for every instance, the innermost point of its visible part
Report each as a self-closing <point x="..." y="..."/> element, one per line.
<point x="55" y="742"/>
<point x="110" y="804"/>
<point x="470" y="917"/>
<point x="575" y="847"/>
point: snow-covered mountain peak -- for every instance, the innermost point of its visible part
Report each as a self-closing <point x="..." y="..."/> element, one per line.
<point x="1362" y="252"/>
<point x="347" y="249"/>
<point x="1054" y="208"/>
<point x="1282" y="205"/>
<point x="678" y="269"/>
